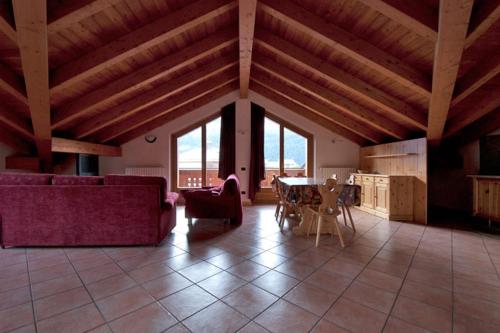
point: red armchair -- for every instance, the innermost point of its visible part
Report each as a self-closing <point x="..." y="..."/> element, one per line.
<point x="223" y="202"/>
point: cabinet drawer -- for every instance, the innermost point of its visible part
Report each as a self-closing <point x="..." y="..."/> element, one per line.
<point x="382" y="180"/>
<point x="367" y="179"/>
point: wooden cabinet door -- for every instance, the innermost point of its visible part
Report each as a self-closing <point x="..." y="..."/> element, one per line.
<point x="483" y="198"/>
<point x="367" y="190"/>
<point x="495" y="200"/>
<point x="381" y="198"/>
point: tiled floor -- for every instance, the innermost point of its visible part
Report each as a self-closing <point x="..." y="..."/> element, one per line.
<point x="393" y="277"/>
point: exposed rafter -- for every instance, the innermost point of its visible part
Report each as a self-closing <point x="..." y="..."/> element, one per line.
<point x="177" y="112"/>
<point x="453" y="23"/>
<point x="475" y="78"/>
<point x="306" y="113"/>
<point x="464" y="117"/>
<point x="70" y="12"/>
<point x="158" y="109"/>
<point x="12" y="140"/>
<point x="86" y="104"/>
<point x="370" y="118"/>
<point x="247" y="11"/>
<point x="347" y="43"/>
<point x="369" y="93"/>
<point x="485" y="125"/>
<point x="21" y="126"/>
<point x="31" y="23"/>
<point x="61" y="145"/>
<point x="415" y="15"/>
<point x="138" y="41"/>
<point x="6" y="27"/>
<point x="316" y="106"/>
<point x="12" y="84"/>
<point x="148" y="98"/>
<point x="482" y="19"/>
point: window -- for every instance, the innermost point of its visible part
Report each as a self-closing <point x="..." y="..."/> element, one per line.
<point x="196" y="155"/>
<point x="287" y="150"/>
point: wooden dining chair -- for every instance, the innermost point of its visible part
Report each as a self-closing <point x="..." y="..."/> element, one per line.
<point x="287" y="207"/>
<point x="275" y="185"/>
<point x="327" y="212"/>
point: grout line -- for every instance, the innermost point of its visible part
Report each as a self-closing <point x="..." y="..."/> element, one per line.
<point x="35" y="322"/>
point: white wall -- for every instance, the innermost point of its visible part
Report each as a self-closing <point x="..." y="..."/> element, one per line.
<point x="329" y="149"/>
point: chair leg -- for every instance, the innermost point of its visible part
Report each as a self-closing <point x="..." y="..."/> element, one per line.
<point x="277" y="212"/>
<point x="311" y="222"/>
<point x="339" y="232"/>
<point x="350" y="219"/>
<point x="283" y="216"/>
<point x="343" y="215"/>
<point x="318" y="233"/>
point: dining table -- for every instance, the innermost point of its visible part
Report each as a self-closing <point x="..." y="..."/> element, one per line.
<point x="303" y="192"/>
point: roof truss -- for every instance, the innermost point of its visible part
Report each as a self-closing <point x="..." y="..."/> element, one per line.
<point x="266" y="60"/>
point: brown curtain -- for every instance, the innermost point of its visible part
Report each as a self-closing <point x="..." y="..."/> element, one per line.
<point x="257" y="167"/>
<point x="227" y="148"/>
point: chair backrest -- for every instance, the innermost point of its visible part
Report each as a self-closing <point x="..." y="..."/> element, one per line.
<point x="329" y="193"/>
<point x="274" y="184"/>
<point x="279" y="189"/>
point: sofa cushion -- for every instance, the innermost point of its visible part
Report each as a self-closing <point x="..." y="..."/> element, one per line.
<point x="138" y="180"/>
<point x="11" y="178"/>
<point x="170" y="200"/>
<point x="77" y="180"/>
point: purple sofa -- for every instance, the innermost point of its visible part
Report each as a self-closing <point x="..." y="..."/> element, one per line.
<point x="221" y="202"/>
<point x="52" y="210"/>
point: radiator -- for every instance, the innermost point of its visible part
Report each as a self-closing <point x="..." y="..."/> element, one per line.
<point x="146" y="171"/>
<point x="342" y="173"/>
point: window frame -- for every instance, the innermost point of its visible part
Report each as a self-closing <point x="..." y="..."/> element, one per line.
<point x="174" y="158"/>
<point x="310" y="145"/>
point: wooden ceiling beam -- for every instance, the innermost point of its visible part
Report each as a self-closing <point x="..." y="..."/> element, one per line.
<point x="158" y="109"/>
<point x="414" y="15"/>
<point x="177" y="112"/>
<point x="348" y="44"/>
<point x="31" y="23"/>
<point x="345" y="105"/>
<point x="453" y="23"/>
<point x="306" y="113"/>
<point x="137" y="41"/>
<point x="474" y="131"/>
<point x="150" y="97"/>
<point x="5" y="26"/>
<point x="369" y="93"/>
<point x="70" y="12"/>
<point x="482" y="19"/>
<point x="12" y="120"/>
<point x="314" y="105"/>
<point x="62" y="145"/>
<point x="14" y="141"/>
<point x="475" y="78"/>
<point x="12" y="84"/>
<point x="87" y="104"/>
<point x="467" y="116"/>
<point x="246" y="11"/>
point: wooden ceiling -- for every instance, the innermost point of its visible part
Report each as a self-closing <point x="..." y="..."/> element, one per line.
<point x="373" y="71"/>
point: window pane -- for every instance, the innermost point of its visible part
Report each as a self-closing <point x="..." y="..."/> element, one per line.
<point x="213" y="141"/>
<point x="189" y="159"/>
<point x="271" y="150"/>
<point x="295" y="153"/>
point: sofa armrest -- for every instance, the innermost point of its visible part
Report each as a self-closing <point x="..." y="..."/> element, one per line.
<point x="170" y="200"/>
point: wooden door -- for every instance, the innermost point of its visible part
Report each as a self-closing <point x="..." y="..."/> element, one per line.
<point x="367" y="190"/>
<point x="381" y="198"/>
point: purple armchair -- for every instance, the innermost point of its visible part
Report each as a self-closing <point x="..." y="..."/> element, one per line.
<point x="222" y="202"/>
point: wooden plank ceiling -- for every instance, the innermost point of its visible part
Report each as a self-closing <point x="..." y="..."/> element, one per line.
<point x="373" y="71"/>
